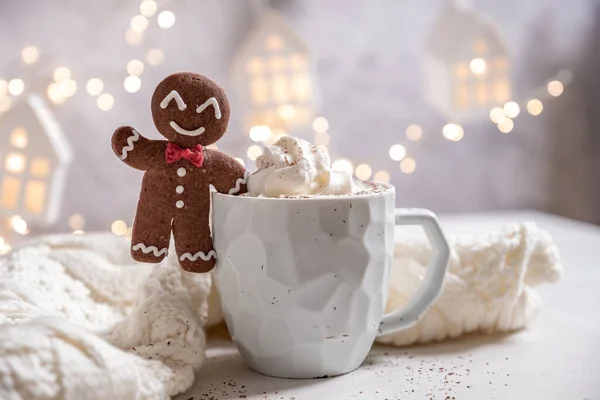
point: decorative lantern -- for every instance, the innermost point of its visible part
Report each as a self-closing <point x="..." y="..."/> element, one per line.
<point x="34" y="158"/>
<point x="274" y="79"/>
<point x="466" y="64"/>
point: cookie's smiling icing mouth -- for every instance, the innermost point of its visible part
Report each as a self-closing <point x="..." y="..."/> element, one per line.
<point x="174" y="95"/>
<point x="185" y="132"/>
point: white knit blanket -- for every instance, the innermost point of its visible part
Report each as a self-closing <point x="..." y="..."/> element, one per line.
<point x="80" y="320"/>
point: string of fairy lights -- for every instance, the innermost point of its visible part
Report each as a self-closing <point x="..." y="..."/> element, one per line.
<point x="64" y="86"/>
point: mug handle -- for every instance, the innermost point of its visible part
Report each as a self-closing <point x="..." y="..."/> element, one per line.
<point x="434" y="278"/>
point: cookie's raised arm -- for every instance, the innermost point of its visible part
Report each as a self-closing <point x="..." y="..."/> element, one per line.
<point x="231" y="177"/>
<point x="135" y="150"/>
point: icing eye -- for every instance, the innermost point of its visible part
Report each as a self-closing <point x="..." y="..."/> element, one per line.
<point x="210" y="102"/>
<point x="173" y="95"/>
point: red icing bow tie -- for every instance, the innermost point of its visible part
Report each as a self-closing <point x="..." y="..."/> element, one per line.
<point x="175" y="153"/>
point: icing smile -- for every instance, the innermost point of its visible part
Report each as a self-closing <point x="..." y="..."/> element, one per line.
<point x="185" y="132"/>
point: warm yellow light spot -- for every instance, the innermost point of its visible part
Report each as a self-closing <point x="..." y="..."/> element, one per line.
<point x="241" y="161"/>
<point x="15" y="162"/>
<point x="343" y="166"/>
<point x="286" y="111"/>
<point x="274" y="42"/>
<point x="397" y="152"/>
<point x="105" y="101"/>
<point x="135" y="67"/>
<point x="94" y="86"/>
<point x="497" y="114"/>
<point x="133" y="38"/>
<point x="155" y="57"/>
<point x="148" y="8"/>
<point x="16" y="86"/>
<point x="18" y="137"/>
<point x="68" y="87"/>
<point x="19" y="225"/>
<point x="320" y="124"/>
<point x="132" y="83"/>
<point x="555" y="88"/>
<point x="414" y="132"/>
<point x="506" y="125"/>
<point x="535" y="107"/>
<point x="363" y="172"/>
<point x="477" y="66"/>
<point x="512" y="109"/>
<point x="76" y="221"/>
<point x="55" y="93"/>
<point x="5" y="249"/>
<point x="453" y="132"/>
<point x="260" y="133"/>
<point x="254" y="152"/>
<point x="381" y="176"/>
<point x="5" y="103"/>
<point x="118" y="227"/>
<point x="10" y="191"/>
<point x="139" y="23"/>
<point x="166" y="19"/>
<point x="78" y="232"/>
<point x="30" y="54"/>
<point x="408" y="165"/>
<point x="61" y="73"/>
<point x="322" y="138"/>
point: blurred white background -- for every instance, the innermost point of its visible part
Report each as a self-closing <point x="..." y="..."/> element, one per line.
<point x="370" y="71"/>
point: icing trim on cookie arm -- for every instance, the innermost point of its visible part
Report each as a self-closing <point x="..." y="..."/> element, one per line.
<point x="212" y="101"/>
<point x="130" y="144"/>
<point x="200" y="254"/>
<point x="173" y="95"/>
<point x="150" y="249"/>
<point x="239" y="182"/>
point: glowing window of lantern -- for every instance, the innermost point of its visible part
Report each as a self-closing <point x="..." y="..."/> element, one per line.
<point x="18" y="137"/>
<point x="14" y="163"/>
<point x="481" y="92"/>
<point x="501" y="91"/>
<point x="259" y="91"/>
<point x="35" y="196"/>
<point x="461" y="98"/>
<point x="279" y="86"/>
<point x="40" y="167"/>
<point x="274" y="42"/>
<point x="301" y="87"/>
<point x="254" y="66"/>
<point x="462" y="71"/>
<point x="276" y="64"/>
<point x="11" y="187"/>
<point x="298" y="62"/>
<point x="480" y="46"/>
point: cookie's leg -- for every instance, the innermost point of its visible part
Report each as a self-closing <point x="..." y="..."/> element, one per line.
<point x="193" y="241"/>
<point x="151" y="230"/>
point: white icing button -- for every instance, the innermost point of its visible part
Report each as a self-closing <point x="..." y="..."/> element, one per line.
<point x="179" y="189"/>
<point x="179" y="204"/>
<point x="181" y="172"/>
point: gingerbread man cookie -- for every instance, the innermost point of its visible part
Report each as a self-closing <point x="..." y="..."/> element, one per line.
<point x="192" y="112"/>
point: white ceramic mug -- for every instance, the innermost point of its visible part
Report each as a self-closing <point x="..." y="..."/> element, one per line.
<point x="304" y="281"/>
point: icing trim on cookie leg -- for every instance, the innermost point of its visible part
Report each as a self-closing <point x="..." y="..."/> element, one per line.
<point x="147" y="249"/>
<point x="200" y="254"/>
<point x="130" y="143"/>
<point x="239" y="182"/>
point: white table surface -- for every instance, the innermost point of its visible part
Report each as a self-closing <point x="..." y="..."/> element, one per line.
<point x="557" y="357"/>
